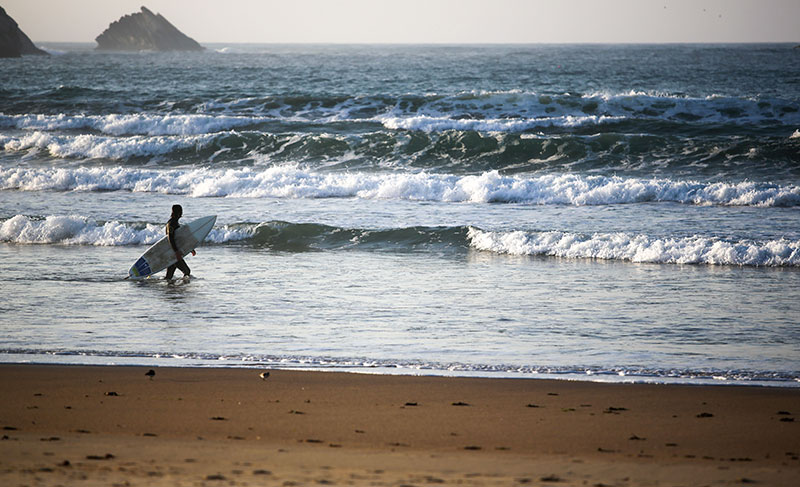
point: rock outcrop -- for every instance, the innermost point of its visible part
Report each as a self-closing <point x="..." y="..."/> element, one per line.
<point x="145" y="31"/>
<point x="14" y="42"/>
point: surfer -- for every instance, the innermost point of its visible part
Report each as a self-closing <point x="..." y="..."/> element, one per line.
<point x="172" y="225"/>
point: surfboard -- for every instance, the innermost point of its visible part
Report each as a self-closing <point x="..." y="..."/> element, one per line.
<point x="160" y="255"/>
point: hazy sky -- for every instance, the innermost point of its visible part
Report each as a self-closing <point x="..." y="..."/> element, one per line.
<point x="426" y="21"/>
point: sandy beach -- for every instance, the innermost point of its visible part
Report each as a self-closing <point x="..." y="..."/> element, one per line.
<point x="77" y="425"/>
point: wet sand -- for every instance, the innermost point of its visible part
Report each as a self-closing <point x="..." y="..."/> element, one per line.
<point x="71" y="425"/>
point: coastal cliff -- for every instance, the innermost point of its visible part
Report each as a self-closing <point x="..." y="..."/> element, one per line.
<point x="14" y="42"/>
<point x="145" y="31"/>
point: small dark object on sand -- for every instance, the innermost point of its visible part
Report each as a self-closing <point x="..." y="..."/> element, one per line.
<point x="705" y="415"/>
<point x="264" y="375"/>
<point x="460" y="404"/>
<point x="111" y="393"/>
<point x="150" y="373"/>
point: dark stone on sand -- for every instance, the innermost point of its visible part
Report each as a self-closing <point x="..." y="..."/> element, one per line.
<point x="145" y="31"/>
<point x="705" y="415"/>
<point x="460" y="404"/>
<point x="112" y="393"/>
<point x="107" y="456"/>
<point x="14" y="42"/>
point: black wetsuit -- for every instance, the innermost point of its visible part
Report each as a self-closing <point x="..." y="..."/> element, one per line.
<point x="173" y="225"/>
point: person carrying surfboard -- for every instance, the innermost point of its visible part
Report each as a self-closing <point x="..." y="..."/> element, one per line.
<point x="172" y="225"/>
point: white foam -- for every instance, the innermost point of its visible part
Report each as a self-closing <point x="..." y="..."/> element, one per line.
<point x="295" y="182"/>
<point x="520" y="111"/>
<point x="130" y="124"/>
<point x="639" y="248"/>
<point x="97" y="146"/>
<point x="79" y="230"/>
<point x="75" y="230"/>
<point x="795" y="135"/>
<point x="437" y="124"/>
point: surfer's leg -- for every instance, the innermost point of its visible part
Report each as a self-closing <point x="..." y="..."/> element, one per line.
<point x="181" y="264"/>
<point x="171" y="271"/>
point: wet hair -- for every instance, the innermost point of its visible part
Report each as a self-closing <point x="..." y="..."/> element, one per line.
<point x="177" y="211"/>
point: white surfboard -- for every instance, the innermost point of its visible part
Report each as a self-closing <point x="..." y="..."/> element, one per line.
<point x="160" y="255"/>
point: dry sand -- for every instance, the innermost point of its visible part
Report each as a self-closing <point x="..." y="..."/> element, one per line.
<point x="114" y="426"/>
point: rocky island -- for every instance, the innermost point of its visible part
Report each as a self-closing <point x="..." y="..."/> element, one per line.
<point x="145" y="31"/>
<point x="14" y="42"/>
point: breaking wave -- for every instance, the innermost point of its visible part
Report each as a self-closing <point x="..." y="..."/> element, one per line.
<point x="640" y="248"/>
<point x="80" y="230"/>
<point x="489" y="187"/>
<point x="482" y="111"/>
<point x="130" y="124"/>
<point x="304" y="237"/>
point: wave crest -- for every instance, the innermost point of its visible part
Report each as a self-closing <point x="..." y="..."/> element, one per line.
<point x="639" y="248"/>
<point x="303" y="237"/>
<point x="488" y="187"/>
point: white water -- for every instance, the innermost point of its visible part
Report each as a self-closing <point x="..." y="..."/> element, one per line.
<point x="295" y="182"/>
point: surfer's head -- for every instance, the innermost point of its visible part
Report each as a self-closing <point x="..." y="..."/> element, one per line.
<point x="177" y="211"/>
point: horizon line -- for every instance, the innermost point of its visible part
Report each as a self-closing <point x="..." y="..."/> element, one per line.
<point x="457" y="43"/>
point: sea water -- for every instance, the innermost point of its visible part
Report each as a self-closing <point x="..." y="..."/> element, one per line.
<point x="600" y="212"/>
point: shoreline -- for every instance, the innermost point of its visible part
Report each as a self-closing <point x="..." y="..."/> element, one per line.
<point x="190" y="426"/>
<point x="601" y="377"/>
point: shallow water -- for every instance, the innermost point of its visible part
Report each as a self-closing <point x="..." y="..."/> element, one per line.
<point x="602" y="212"/>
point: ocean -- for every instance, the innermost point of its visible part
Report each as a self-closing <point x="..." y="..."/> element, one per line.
<point x="580" y="212"/>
